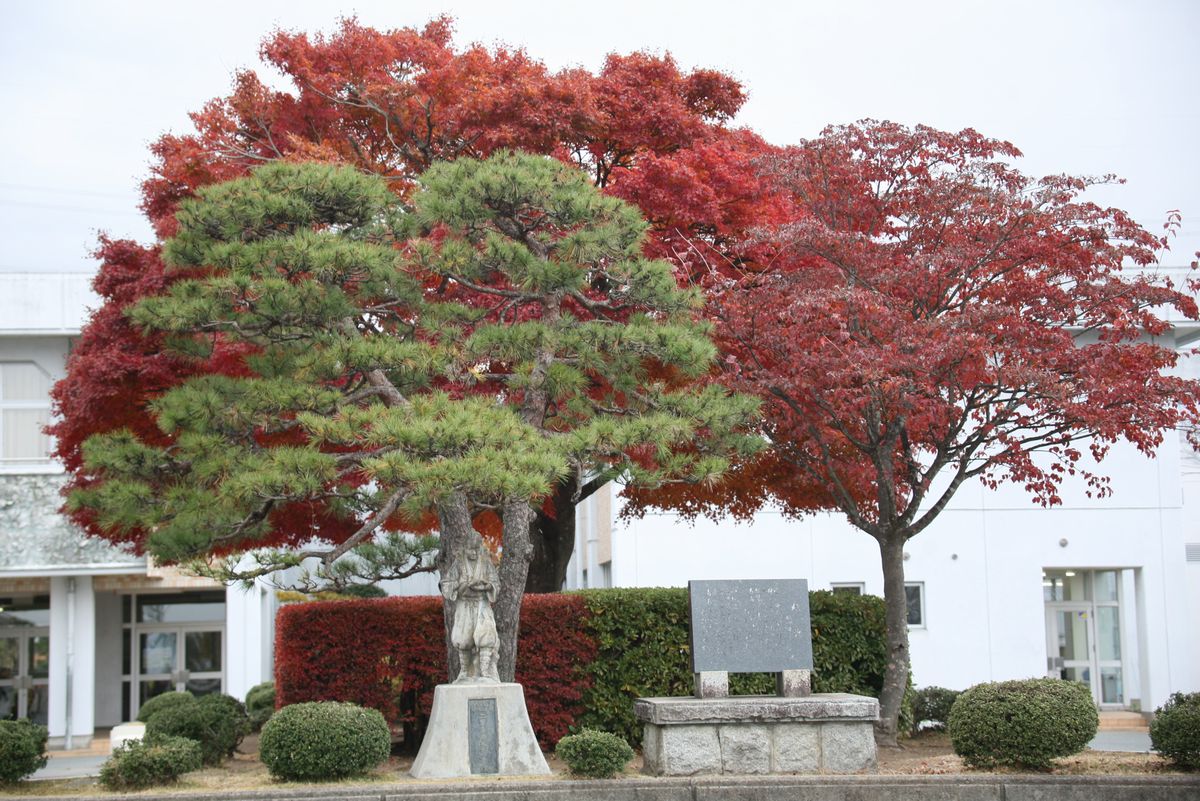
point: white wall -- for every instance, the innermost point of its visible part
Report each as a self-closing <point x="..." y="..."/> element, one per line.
<point x="981" y="563"/>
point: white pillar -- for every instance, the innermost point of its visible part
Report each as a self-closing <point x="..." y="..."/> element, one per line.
<point x="249" y="634"/>
<point x="72" y="661"/>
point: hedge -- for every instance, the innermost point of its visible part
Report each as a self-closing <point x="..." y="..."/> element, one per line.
<point x="327" y="740"/>
<point x="583" y="656"/>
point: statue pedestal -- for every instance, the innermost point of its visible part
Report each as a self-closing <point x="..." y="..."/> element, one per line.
<point x="479" y="729"/>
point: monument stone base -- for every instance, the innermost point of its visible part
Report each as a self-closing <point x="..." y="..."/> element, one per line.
<point x="479" y="729"/>
<point x="755" y="734"/>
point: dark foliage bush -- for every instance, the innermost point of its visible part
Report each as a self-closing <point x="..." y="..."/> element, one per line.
<point x="1175" y="730"/>
<point x="163" y="701"/>
<point x="594" y="754"/>
<point x="141" y="764"/>
<point x="364" y="591"/>
<point x="325" y="740"/>
<point x="260" y="704"/>
<point x="583" y="657"/>
<point x="211" y="720"/>
<point x="932" y="705"/>
<point x="1026" y="723"/>
<point x="22" y="749"/>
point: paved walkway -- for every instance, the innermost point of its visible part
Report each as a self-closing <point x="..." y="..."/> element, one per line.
<point x="1138" y="741"/>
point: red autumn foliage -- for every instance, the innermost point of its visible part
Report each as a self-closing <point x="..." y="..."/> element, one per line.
<point x="392" y="102"/>
<point x="389" y="654"/>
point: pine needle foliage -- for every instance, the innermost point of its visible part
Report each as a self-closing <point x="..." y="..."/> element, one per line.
<point x="501" y="333"/>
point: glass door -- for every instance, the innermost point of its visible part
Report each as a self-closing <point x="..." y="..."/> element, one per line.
<point x="1083" y="631"/>
<point x="178" y="659"/>
<point x="24" y="674"/>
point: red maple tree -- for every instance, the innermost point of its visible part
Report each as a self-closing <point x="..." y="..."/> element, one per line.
<point x="392" y="103"/>
<point x="935" y="317"/>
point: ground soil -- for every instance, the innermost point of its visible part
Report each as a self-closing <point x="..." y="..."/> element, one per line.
<point x="928" y="753"/>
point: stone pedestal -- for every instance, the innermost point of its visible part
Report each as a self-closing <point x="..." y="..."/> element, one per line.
<point x="823" y="733"/>
<point x="479" y="729"/>
<point x="125" y="733"/>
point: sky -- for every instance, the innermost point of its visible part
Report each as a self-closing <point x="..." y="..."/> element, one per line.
<point x="1084" y="87"/>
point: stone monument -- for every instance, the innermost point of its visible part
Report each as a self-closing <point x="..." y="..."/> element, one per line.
<point x="755" y="627"/>
<point x="478" y="725"/>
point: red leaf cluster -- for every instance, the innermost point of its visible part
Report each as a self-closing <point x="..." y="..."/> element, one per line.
<point x="389" y="654"/>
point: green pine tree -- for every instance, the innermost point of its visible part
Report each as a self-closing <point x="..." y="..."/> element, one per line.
<point x="366" y="363"/>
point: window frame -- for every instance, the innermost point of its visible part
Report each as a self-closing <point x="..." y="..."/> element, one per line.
<point x="843" y="586"/>
<point x="9" y="464"/>
<point x="920" y="585"/>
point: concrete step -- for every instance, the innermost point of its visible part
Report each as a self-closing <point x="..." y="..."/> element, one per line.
<point x="1123" y="721"/>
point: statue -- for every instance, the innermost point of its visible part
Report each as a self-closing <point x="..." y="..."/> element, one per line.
<point x="471" y="582"/>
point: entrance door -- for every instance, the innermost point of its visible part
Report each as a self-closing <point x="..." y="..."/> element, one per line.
<point x="1083" y="631"/>
<point x="178" y="659"/>
<point x="24" y="673"/>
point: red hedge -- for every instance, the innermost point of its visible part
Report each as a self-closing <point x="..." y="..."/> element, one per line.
<point x="389" y="654"/>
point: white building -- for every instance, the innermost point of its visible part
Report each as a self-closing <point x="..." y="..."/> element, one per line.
<point x="88" y="632"/>
<point x="1105" y="591"/>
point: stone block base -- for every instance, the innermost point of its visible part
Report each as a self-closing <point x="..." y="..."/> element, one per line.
<point x="824" y="733"/>
<point x="455" y="742"/>
<point x="126" y="732"/>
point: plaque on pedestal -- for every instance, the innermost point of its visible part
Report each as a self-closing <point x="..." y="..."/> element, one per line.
<point x="479" y="729"/>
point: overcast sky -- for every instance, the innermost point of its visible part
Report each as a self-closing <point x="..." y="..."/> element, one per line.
<point x="1081" y="87"/>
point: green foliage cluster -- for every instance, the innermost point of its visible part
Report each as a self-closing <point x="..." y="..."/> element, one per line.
<point x="22" y="749"/>
<point x="594" y="754"/>
<point x="216" y="722"/>
<point x="932" y="705"/>
<point x="643" y="651"/>
<point x="1175" y="730"/>
<point x="163" y="701"/>
<point x="334" y="386"/>
<point x="260" y="704"/>
<point x="323" y="740"/>
<point x="1024" y="723"/>
<point x="150" y="762"/>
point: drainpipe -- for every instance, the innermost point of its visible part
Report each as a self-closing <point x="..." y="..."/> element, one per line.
<point x="70" y="658"/>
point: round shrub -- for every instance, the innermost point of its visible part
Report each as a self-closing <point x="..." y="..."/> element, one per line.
<point x="1175" y="730"/>
<point x="236" y="711"/>
<point x="22" y="749"/>
<point x="210" y="720"/>
<point x="163" y="702"/>
<point x="932" y="705"/>
<point x="260" y="704"/>
<point x="140" y="764"/>
<point x="1024" y="723"/>
<point x="594" y="754"/>
<point x="323" y="740"/>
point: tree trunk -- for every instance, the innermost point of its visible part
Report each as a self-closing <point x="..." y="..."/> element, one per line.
<point x="454" y="517"/>
<point x="553" y="541"/>
<point x="895" y="676"/>
<point x="514" y="569"/>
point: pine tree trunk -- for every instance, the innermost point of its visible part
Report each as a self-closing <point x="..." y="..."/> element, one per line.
<point x="553" y="541"/>
<point x="454" y="517"/>
<point x="514" y="570"/>
<point x="895" y="677"/>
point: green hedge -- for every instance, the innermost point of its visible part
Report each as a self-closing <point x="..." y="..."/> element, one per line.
<point x="642" y="651"/>
<point x="1026" y="723"/>
<point x="594" y="754"/>
<point x="260" y="704"/>
<point x="22" y="749"/>
<point x="1175" y="730"/>
<point x="216" y="722"/>
<point x="323" y="740"/>
<point x="140" y="764"/>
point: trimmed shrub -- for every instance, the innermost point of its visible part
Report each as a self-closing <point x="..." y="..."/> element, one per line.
<point x="236" y="711"/>
<point x="22" y="749"/>
<point x="932" y="705"/>
<point x="594" y="754"/>
<point x="1026" y="723"/>
<point x="163" y="701"/>
<point x="1175" y="730"/>
<point x="139" y="764"/>
<point x="583" y="658"/>
<point x="209" y="720"/>
<point x="260" y="704"/>
<point x="325" y="740"/>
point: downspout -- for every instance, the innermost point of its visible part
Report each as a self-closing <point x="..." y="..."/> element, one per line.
<point x="70" y="658"/>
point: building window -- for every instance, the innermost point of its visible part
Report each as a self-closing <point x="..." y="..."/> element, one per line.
<point x="24" y="412"/>
<point x="848" y="587"/>
<point x="914" y="596"/>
